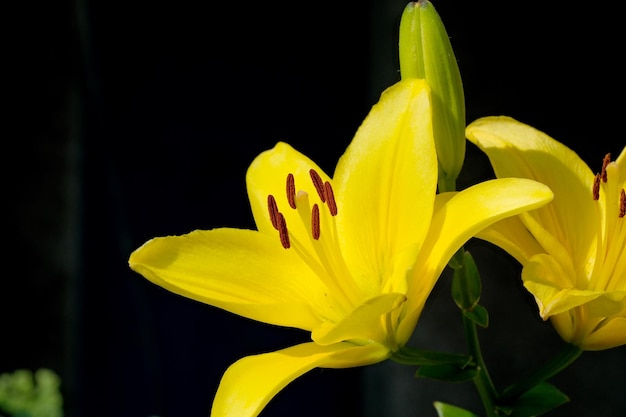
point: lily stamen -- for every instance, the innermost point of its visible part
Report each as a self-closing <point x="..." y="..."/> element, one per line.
<point x="330" y="198"/>
<point x="326" y="195"/>
<point x="282" y="231"/>
<point x="273" y="210"/>
<point x="622" y="204"/>
<point x="278" y="221"/>
<point x="315" y="222"/>
<point x="595" y="191"/>
<point x="291" y="191"/>
<point x="318" y="183"/>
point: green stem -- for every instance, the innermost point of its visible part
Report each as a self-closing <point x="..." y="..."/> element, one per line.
<point x="555" y="365"/>
<point x="482" y="380"/>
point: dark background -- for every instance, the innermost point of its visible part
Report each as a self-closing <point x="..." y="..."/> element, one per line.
<point x="129" y="120"/>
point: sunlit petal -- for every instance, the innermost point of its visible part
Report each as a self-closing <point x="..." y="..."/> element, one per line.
<point x="458" y="217"/>
<point x="386" y="181"/>
<point x="575" y="267"/>
<point x="250" y="383"/>
<point x="268" y="175"/>
<point x="241" y="271"/>
<point x="518" y="150"/>
<point x="466" y="213"/>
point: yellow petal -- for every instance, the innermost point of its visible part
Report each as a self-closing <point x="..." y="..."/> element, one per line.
<point x="268" y="175"/>
<point x="242" y="271"/>
<point x="458" y="217"/>
<point x="610" y="335"/>
<point x="250" y="383"/>
<point x="512" y="236"/>
<point x="386" y="181"/>
<point x="468" y="212"/>
<point x="609" y="304"/>
<point x="518" y="150"/>
<point x="553" y="288"/>
<point x="365" y="322"/>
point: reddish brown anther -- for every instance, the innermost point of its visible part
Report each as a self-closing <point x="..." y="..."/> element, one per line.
<point x="606" y="161"/>
<point x="315" y="222"/>
<point x="273" y="209"/>
<point x="622" y="203"/>
<point x="291" y="191"/>
<point x="283" y="232"/>
<point x="330" y="198"/>
<point x="318" y="183"/>
<point x="595" y="190"/>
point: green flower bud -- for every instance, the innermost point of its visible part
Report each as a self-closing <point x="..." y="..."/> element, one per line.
<point x="426" y="53"/>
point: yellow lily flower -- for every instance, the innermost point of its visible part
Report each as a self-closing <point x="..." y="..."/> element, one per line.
<point x="572" y="250"/>
<point x="351" y="258"/>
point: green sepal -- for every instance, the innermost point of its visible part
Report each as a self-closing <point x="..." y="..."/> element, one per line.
<point x="420" y="357"/>
<point x="466" y="285"/>
<point x="538" y="400"/>
<point x="447" y="373"/>
<point x="447" y="410"/>
<point x="478" y="315"/>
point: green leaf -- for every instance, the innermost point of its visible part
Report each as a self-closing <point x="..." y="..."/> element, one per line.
<point x="420" y="357"/>
<point x="538" y="400"/>
<point x="478" y="315"/>
<point x="447" y="410"/>
<point x="447" y="373"/>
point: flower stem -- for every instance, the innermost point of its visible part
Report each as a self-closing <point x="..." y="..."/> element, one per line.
<point x="482" y="380"/>
<point x="555" y="365"/>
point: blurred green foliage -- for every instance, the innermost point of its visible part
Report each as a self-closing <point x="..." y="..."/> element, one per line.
<point x="24" y="394"/>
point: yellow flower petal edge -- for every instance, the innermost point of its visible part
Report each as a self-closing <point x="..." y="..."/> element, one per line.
<point x="250" y="383"/>
<point x="572" y="250"/>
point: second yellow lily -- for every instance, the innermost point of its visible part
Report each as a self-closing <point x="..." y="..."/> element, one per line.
<point x="572" y="249"/>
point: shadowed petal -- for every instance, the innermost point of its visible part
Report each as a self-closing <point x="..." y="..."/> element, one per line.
<point x="358" y="325"/>
<point x="512" y="235"/>
<point x="610" y="335"/>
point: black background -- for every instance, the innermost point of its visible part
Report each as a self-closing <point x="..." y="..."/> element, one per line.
<point x="129" y="120"/>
